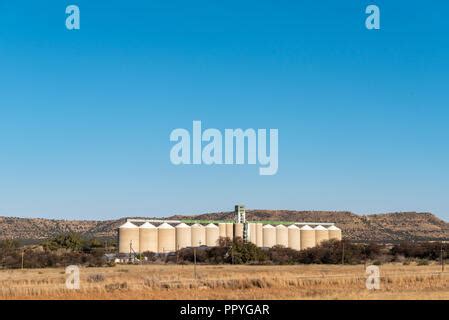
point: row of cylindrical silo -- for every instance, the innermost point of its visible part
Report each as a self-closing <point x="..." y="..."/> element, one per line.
<point x="166" y="238"/>
<point x="298" y="238"/>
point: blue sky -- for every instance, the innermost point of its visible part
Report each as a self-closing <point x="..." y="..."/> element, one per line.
<point x="85" y="116"/>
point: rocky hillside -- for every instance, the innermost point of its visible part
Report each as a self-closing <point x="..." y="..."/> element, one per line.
<point x="378" y="227"/>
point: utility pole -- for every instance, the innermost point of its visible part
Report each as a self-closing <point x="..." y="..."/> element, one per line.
<point x="23" y="253"/>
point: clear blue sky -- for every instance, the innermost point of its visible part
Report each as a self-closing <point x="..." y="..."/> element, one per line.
<point x="85" y="116"/>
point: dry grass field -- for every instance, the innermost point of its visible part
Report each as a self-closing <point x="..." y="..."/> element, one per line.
<point x="228" y="282"/>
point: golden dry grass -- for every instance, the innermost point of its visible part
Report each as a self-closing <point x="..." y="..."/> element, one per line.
<point x="228" y="282"/>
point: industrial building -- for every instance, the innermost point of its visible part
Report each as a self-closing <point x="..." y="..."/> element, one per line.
<point x="166" y="236"/>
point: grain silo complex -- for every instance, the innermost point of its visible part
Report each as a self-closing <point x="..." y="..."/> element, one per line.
<point x="166" y="236"/>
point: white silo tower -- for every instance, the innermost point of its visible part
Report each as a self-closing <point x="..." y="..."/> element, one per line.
<point x="230" y="231"/>
<point x="259" y="237"/>
<point x="212" y="235"/>
<point x="198" y="235"/>
<point x="238" y="230"/>
<point x="252" y="233"/>
<point x="128" y="238"/>
<point x="148" y="238"/>
<point x="222" y="230"/>
<point x="166" y="238"/>
<point x="269" y="236"/>
<point x="307" y="235"/>
<point x="281" y="235"/>
<point x="321" y="234"/>
<point x="183" y="236"/>
<point x="334" y="233"/>
<point x="294" y="238"/>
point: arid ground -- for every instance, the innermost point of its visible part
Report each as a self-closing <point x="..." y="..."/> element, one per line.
<point x="228" y="282"/>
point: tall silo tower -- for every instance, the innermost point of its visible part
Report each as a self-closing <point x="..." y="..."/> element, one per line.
<point x="128" y="238"/>
<point x="259" y="237"/>
<point x="307" y="237"/>
<point x="183" y="236"/>
<point x="269" y="236"/>
<point x="166" y="238"/>
<point x="334" y="233"/>
<point x="230" y="231"/>
<point x="212" y="235"/>
<point x="148" y="237"/>
<point x="294" y="237"/>
<point x="321" y="234"/>
<point x="198" y="235"/>
<point x="281" y="235"/>
<point x="252" y="233"/>
<point x="222" y="230"/>
<point x="239" y="230"/>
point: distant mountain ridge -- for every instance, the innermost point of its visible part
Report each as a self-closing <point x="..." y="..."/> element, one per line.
<point x="376" y="227"/>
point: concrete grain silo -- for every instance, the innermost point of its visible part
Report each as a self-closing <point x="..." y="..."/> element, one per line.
<point x="321" y="234"/>
<point x="334" y="233"/>
<point x="230" y="230"/>
<point x="252" y="233"/>
<point x="307" y="235"/>
<point x="183" y="236"/>
<point x="238" y="230"/>
<point x="198" y="235"/>
<point x="259" y="232"/>
<point x="212" y="235"/>
<point x="269" y="236"/>
<point x="128" y="236"/>
<point x="148" y="237"/>
<point x="166" y="238"/>
<point x="222" y="230"/>
<point x="281" y="235"/>
<point x="294" y="238"/>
